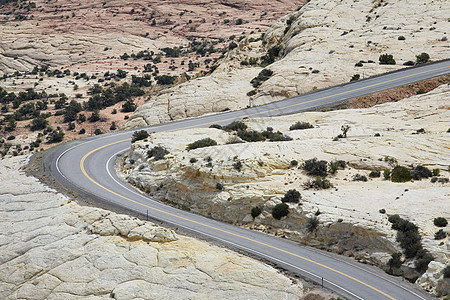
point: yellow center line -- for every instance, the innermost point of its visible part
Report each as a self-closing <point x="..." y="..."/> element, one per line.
<point x="231" y="233"/>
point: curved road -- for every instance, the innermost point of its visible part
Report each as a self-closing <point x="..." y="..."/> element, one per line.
<point x="87" y="166"/>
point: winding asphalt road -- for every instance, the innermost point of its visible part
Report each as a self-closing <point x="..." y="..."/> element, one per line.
<point x="87" y="167"/>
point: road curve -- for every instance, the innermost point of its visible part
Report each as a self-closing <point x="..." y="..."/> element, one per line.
<point x="87" y="167"/>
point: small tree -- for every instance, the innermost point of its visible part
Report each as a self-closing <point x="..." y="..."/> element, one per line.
<point x="291" y="196"/>
<point x="314" y="167"/>
<point x="422" y="58"/>
<point x="345" y="129"/>
<point x="395" y="261"/>
<point x="202" y="143"/>
<point x="280" y="210"/>
<point x="139" y="135"/>
<point x="440" y="222"/>
<point x="256" y="211"/>
<point x="312" y="224"/>
<point x="400" y="174"/>
<point x="387" y="59"/>
<point x="157" y="152"/>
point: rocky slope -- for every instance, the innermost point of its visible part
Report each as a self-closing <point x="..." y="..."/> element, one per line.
<point x="53" y="248"/>
<point x="90" y="35"/>
<point x="315" y="47"/>
<point x="353" y="215"/>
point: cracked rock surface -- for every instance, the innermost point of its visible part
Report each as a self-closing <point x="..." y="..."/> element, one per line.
<point x="53" y="248"/>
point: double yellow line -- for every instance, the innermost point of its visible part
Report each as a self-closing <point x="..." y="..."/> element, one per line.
<point x="82" y="162"/>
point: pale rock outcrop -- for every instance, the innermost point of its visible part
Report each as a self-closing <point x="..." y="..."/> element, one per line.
<point x="53" y="248"/>
<point x="320" y="47"/>
<point x="206" y="180"/>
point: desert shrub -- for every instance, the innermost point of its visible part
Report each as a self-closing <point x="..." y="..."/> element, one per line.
<point x="82" y="131"/>
<point x="300" y="125"/>
<point x="275" y="136"/>
<point x="291" y="196"/>
<point x="280" y="210"/>
<point x="394" y="218"/>
<point x="422" y="58"/>
<point x="129" y="106"/>
<point x="250" y="135"/>
<point x="256" y="211"/>
<point x="374" y="174"/>
<point x="206" y="142"/>
<point x="262" y="76"/>
<point x="318" y="183"/>
<point x="408" y="63"/>
<point x="423" y="259"/>
<point x="314" y="167"/>
<point x="359" y="177"/>
<point x="193" y="160"/>
<point x="440" y="234"/>
<point x="386" y="59"/>
<point x="98" y="131"/>
<point x="95" y="116"/>
<point x="237" y="165"/>
<point x="382" y="211"/>
<point x="334" y="165"/>
<point x="235" y="126"/>
<point x="139" y="135"/>
<point x="55" y="136"/>
<point x="401" y="38"/>
<point x="446" y="271"/>
<point x="113" y="126"/>
<point x="440" y="222"/>
<point x="219" y="186"/>
<point x="395" y="261"/>
<point x="11" y="137"/>
<point x="355" y="77"/>
<point x="400" y="174"/>
<point x="358" y="64"/>
<point x="436" y="172"/>
<point x="312" y="224"/>
<point x="157" y="152"/>
<point x="410" y="242"/>
<point x="294" y="163"/>
<point x="420" y="172"/>
<point x="165" y="79"/>
<point x="387" y="174"/>
<point x="270" y="56"/>
<point x="217" y="126"/>
<point x="38" y="123"/>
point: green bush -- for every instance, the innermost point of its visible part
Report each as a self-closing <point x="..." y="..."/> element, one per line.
<point x="446" y="271"/>
<point x="250" y="135"/>
<point x="193" y="160"/>
<point x="359" y="177"/>
<point x="280" y="210"/>
<point x="423" y="259"/>
<point x="374" y="174"/>
<point x="82" y="131"/>
<point x="300" y="126"/>
<point x="98" y="131"/>
<point x="333" y="166"/>
<point x="395" y="261"/>
<point x="256" y="211"/>
<point x="386" y="59"/>
<point x="294" y="163"/>
<point x="291" y="196"/>
<point x="314" y="167"/>
<point x="420" y="172"/>
<point x="440" y="234"/>
<point x="235" y="126"/>
<point x="139" y="135"/>
<point x="262" y="76"/>
<point x="436" y="172"/>
<point x="318" y="183"/>
<point x="157" y="152"/>
<point x="206" y="142"/>
<point x="422" y="58"/>
<point x="237" y="165"/>
<point x="355" y="77"/>
<point x="55" y="136"/>
<point x="400" y="174"/>
<point x="440" y="222"/>
<point x="312" y="224"/>
<point x="387" y="174"/>
<point x="217" y="126"/>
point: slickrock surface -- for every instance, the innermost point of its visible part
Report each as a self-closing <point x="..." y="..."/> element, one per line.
<point x="53" y="248"/>
<point x="350" y="220"/>
<point x="320" y="47"/>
